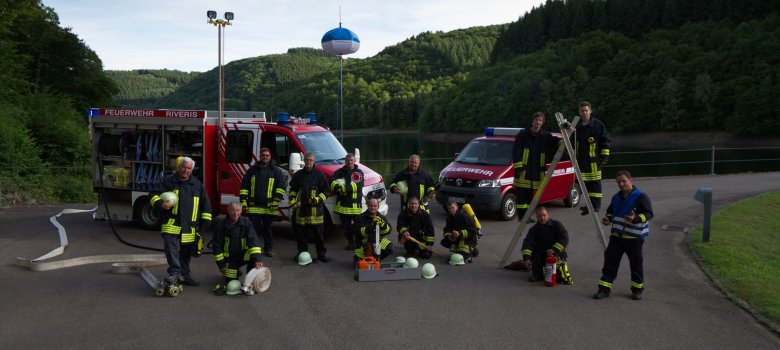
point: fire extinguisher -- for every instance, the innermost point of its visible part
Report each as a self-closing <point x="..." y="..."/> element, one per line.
<point x="550" y="268"/>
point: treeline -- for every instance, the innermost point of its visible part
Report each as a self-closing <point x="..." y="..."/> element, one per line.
<point x="49" y="78"/>
<point x="713" y="75"/>
<point x="143" y="87"/>
<point x="559" y="19"/>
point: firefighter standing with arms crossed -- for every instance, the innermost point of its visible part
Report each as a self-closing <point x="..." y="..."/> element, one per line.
<point x="529" y="158"/>
<point x="347" y="183"/>
<point x="235" y="245"/>
<point x="262" y="188"/>
<point x="418" y="182"/>
<point x="308" y="189"/>
<point x="183" y="221"/>
<point x="592" y="144"/>
<point x="629" y="213"/>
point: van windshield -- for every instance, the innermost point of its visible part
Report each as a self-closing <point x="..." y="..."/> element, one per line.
<point x="486" y="152"/>
<point x="325" y="146"/>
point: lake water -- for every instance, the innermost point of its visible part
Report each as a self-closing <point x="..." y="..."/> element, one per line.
<point x="389" y="153"/>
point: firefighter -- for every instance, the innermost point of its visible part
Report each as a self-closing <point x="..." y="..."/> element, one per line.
<point x="418" y="183"/>
<point x="262" y="188"/>
<point x="546" y="237"/>
<point x="460" y="232"/>
<point x="235" y="244"/>
<point x="366" y="232"/>
<point x="184" y="221"/>
<point x="347" y="183"/>
<point x="629" y="213"/>
<point x="417" y="224"/>
<point x="308" y="189"/>
<point x="531" y="151"/>
<point x="592" y="144"/>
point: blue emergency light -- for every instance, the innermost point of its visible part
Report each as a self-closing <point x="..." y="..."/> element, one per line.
<point x="491" y="131"/>
<point x="282" y="118"/>
<point x="93" y="112"/>
<point x="312" y="117"/>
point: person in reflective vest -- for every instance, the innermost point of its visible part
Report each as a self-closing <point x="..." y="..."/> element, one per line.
<point x="415" y="223"/>
<point x="418" y="183"/>
<point x="308" y="189"/>
<point x="532" y="149"/>
<point x="546" y="237"/>
<point x="629" y="214"/>
<point x="367" y="223"/>
<point x="347" y="183"/>
<point x="262" y="188"/>
<point x="235" y="244"/>
<point x="592" y="142"/>
<point x="182" y="222"/>
<point x="460" y="232"/>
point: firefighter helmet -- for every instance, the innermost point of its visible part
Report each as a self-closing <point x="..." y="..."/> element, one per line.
<point x="402" y="186"/>
<point x="400" y="259"/>
<point x="457" y="259"/>
<point x="411" y="263"/>
<point x="429" y="271"/>
<point x="169" y="197"/>
<point x="304" y="258"/>
<point x="233" y="287"/>
<point x="341" y="182"/>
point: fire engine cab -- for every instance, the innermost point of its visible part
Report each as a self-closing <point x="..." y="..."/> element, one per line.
<point x="482" y="176"/>
<point x="133" y="149"/>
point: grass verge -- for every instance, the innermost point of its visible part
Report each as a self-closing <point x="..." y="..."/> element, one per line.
<point x="744" y="252"/>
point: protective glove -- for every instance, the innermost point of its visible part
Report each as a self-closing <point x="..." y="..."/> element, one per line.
<point x="378" y="220"/>
<point x="604" y="160"/>
<point x="274" y="203"/>
<point x="292" y="201"/>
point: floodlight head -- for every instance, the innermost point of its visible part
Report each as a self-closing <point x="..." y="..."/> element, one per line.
<point x="211" y="14"/>
<point x="229" y="16"/>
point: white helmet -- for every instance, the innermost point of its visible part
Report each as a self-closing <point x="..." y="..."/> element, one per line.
<point x="169" y="197"/>
<point x="400" y="259"/>
<point x="411" y="263"/>
<point x="457" y="259"/>
<point x="429" y="271"/>
<point x="402" y="186"/>
<point x="233" y="287"/>
<point x="304" y="258"/>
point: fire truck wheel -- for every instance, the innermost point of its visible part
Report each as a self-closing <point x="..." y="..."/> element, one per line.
<point x="574" y="196"/>
<point x="508" y="207"/>
<point x="145" y="214"/>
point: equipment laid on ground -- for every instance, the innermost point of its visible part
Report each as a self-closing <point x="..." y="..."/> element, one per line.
<point x="388" y="272"/>
<point x="411" y="263"/>
<point x="257" y="281"/>
<point x="550" y="268"/>
<point x="457" y="259"/>
<point x="304" y="258"/>
<point x="170" y="286"/>
<point x="429" y="271"/>
<point x="233" y="287"/>
<point x="400" y="260"/>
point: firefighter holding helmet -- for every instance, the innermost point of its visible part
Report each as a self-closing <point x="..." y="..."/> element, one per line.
<point x="347" y="183"/>
<point x="413" y="182"/>
<point x="235" y="244"/>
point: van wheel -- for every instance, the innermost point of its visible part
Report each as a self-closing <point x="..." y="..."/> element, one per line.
<point x="146" y="215"/>
<point x="508" y="207"/>
<point x="574" y="196"/>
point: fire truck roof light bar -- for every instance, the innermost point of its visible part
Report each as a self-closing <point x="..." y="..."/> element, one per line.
<point x="490" y="131"/>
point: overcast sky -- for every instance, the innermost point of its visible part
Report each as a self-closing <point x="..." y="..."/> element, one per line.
<point x="174" y="34"/>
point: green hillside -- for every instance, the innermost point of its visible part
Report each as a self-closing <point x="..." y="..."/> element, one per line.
<point x="144" y="87"/>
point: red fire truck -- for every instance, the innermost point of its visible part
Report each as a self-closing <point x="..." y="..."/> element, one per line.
<point x="133" y="149"/>
<point x="482" y="175"/>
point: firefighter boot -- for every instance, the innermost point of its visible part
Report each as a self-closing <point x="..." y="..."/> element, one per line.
<point x="601" y="294"/>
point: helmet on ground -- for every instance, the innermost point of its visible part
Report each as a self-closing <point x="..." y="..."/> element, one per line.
<point x="304" y="258"/>
<point x="402" y="186"/>
<point x="169" y="197"/>
<point x="233" y="287"/>
<point x="457" y="259"/>
<point x="429" y="271"/>
<point x="411" y="263"/>
<point x="400" y="259"/>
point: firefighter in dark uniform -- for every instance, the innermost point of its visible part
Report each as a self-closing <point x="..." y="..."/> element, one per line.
<point x="546" y="237"/>
<point x="592" y="144"/>
<point x="347" y="183"/>
<point x="629" y="213"/>
<point x="416" y="223"/>
<point x="183" y="222"/>
<point x="418" y="182"/>
<point x="366" y="233"/>
<point x="308" y="189"/>
<point x="532" y="149"/>
<point x="262" y="188"/>
<point x="235" y="244"/>
<point x="460" y="232"/>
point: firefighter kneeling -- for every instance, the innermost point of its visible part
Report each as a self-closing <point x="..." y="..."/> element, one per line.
<point x="235" y="245"/>
<point x="546" y="238"/>
<point x="460" y="234"/>
<point x="366" y="233"/>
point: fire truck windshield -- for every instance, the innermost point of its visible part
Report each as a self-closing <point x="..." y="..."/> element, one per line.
<point x="486" y="152"/>
<point x="325" y="146"/>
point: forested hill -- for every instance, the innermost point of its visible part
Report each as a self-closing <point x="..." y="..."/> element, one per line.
<point x="646" y="65"/>
<point x="144" y="87"/>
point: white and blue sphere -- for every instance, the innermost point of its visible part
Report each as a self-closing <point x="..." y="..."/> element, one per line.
<point x="340" y="41"/>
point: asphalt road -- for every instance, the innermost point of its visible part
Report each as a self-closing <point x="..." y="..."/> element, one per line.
<point x="320" y="306"/>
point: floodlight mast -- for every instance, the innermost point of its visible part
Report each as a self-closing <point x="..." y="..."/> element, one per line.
<point x="220" y="23"/>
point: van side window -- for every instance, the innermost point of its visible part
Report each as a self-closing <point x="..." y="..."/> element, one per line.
<point x="280" y="146"/>
<point x="238" y="146"/>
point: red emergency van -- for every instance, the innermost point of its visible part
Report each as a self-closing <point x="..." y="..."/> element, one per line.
<point x="482" y="176"/>
<point x="133" y="149"/>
